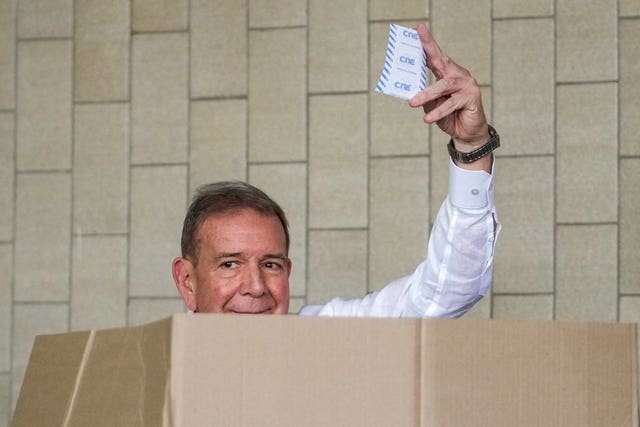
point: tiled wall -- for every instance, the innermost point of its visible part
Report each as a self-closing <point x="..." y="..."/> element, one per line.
<point x="112" y="112"/>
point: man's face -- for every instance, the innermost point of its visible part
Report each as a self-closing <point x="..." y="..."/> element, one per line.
<point x="242" y="266"/>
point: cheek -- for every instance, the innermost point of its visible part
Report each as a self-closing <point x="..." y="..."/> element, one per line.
<point x="280" y="292"/>
<point x="213" y="294"/>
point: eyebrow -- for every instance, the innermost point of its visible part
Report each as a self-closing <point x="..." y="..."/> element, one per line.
<point x="239" y="254"/>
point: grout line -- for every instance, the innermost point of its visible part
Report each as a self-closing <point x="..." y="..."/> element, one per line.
<point x="72" y="135"/>
<point x="580" y="224"/>
<point x="555" y="164"/>
<point x="247" y="119"/>
<point x="217" y="97"/>
<point x="42" y="171"/>
<point x="522" y="18"/>
<point x="130" y="168"/>
<point x="308" y="162"/>
<point x="338" y="93"/>
<point x="153" y="32"/>
<point x="43" y="39"/>
<point x="12" y="279"/>
<point x="584" y="82"/>
<point x="156" y="165"/>
<point x="277" y="162"/>
<point x="367" y="272"/>
<point x="491" y="81"/>
<point x="105" y="102"/>
<point x="619" y="204"/>
<point x="189" y="109"/>
<point x="115" y="234"/>
<point x="281" y="27"/>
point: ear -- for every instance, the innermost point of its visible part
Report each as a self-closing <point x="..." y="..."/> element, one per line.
<point x="183" y="276"/>
<point x="289" y="265"/>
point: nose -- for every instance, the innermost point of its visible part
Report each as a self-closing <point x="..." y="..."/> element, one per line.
<point x="253" y="282"/>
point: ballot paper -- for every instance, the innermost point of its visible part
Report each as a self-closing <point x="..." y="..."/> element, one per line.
<point x="404" y="73"/>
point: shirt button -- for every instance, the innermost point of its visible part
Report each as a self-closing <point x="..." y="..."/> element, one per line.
<point x="475" y="191"/>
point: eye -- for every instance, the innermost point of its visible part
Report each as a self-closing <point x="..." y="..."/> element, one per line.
<point x="272" y="265"/>
<point x="229" y="264"/>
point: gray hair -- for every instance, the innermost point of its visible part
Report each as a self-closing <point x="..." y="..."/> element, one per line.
<point x="224" y="197"/>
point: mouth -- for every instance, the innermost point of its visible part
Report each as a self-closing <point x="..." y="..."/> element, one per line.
<point x="265" y="311"/>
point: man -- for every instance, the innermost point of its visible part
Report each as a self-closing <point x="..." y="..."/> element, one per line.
<point x="235" y="239"/>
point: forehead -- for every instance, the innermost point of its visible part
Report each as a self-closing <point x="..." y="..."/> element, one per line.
<point x="235" y="230"/>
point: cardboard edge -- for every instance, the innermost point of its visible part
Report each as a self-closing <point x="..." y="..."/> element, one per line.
<point x="173" y="387"/>
<point x="83" y="364"/>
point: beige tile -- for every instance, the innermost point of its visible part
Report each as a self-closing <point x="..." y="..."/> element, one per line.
<point x="143" y="311"/>
<point x="586" y="272"/>
<point x="283" y="13"/>
<point x="396" y="128"/>
<point x="405" y="9"/>
<point x="101" y="45"/>
<point x="7" y="54"/>
<point x="7" y="171"/>
<point x="101" y="168"/>
<point x="44" y="104"/>
<point x="524" y="198"/>
<point x="218" y="149"/>
<point x="337" y="45"/>
<point x="524" y="76"/>
<point x="99" y="282"/>
<point x="439" y="167"/>
<point x="587" y="135"/>
<point x="159" y="98"/>
<point x="472" y="47"/>
<point x="338" y="161"/>
<point x="629" y="87"/>
<point x="277" y="105"/>
<point x="158" y="205"/>
<point x="522" y="8"/>
<point x="586" y="40"/>
<point x="6" y="267"/>
<point x="630" y="309"/>
<point x="218" y="48"/>
<point x="30" y="320"/>
<point x="481" y="310"/>
<point x="45" y="18"/>
<point x="43" y="242"/>
<point x="630" y="313"/>
<point x="629" y="7"/>
<point x="337" y="265"/>
<point x="295" y="304"/>
<point x="5" y="399"/>
<point x="399" y="218"/>
<point x="287" y="185"/>
<point x="629" y="226"/>
<point x="160" y="15"/>
<point x="523" y="307"/>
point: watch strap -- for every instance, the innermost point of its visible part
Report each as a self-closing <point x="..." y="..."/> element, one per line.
<point x="478" y="153"/>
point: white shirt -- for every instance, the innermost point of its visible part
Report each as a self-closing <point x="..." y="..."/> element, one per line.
<point x="458" y="268"/>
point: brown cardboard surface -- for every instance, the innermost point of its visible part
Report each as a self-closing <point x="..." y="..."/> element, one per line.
<point x="487" y="373"/>
<point x="193" y="370"/>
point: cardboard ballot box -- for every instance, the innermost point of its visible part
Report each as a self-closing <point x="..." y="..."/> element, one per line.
<point x="226" y="370"/>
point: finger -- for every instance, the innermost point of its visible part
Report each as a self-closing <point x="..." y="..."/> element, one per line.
<point x="438" y="61"/>
<point x="443" y="109"/>
<point x="436" y="90"/>
<point x="434" y="53"/>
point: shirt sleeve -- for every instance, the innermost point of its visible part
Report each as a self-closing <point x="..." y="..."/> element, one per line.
<point x="458" y="268"/>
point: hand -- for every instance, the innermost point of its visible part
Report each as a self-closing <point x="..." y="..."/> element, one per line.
<point x="453" y="101"/>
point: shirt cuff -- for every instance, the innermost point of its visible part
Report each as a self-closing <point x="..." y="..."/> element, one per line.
<point x="470" y="189"/>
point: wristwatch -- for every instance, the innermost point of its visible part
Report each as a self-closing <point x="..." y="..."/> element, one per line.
<point x="478" y="153"/>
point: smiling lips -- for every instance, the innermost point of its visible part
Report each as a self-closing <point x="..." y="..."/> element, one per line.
<point x="265" y="311"/>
